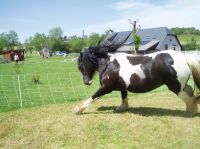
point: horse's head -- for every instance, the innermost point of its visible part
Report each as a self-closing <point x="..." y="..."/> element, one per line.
<point x="87" y="64"/>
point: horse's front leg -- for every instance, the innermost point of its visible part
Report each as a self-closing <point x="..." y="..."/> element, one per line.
<point x="100" y="92"/>
<point x="124" y="104"/>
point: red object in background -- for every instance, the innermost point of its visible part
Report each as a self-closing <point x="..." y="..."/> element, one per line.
<point x="9" y="54"/>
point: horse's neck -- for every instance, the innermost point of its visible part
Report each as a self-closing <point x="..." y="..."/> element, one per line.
<point x="102" y="64"/>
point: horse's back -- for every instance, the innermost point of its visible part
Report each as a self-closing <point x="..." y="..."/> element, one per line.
<point x="142" y="73"/>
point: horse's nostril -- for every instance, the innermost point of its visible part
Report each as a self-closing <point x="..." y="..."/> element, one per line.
<point x="86" y="83"/>
<point x="90" y="82"/>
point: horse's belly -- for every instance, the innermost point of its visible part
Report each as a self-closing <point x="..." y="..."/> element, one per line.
<point x="143" y="87"/>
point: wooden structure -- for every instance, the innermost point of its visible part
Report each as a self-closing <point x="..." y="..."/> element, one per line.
<point x="8" y="55"/>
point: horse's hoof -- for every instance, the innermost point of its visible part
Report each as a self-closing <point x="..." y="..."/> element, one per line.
<point x="77" y="110"/>
<point x="120" y="109"/>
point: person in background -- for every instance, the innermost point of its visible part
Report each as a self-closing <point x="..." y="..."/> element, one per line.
<point x="16" y="58"/>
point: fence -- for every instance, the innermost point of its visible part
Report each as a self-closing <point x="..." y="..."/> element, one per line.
<point x="19" y="91"/>
<point x="52" y="88"/>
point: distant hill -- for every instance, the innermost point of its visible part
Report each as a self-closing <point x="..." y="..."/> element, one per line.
<point x="184" y="31"/>
<point x="189" y="37"/>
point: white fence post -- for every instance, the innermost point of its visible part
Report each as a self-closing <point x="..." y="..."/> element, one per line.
<point x="20" y="93"/>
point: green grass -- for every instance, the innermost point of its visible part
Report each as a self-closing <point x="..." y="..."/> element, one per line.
<point x="154" y="120"/>
<point x="60" y="81"/>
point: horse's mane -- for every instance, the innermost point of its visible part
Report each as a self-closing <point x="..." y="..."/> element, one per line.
<point x="90" y="56"/>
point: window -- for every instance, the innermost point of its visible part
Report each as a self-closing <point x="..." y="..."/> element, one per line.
<point x="166" y="46"/>
<point x="174" y="47"/>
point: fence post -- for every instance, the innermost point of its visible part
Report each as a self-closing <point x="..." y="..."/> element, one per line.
<point x="20" y="93"/>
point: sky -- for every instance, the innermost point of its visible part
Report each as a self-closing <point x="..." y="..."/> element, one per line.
<point x="26" y="17"/>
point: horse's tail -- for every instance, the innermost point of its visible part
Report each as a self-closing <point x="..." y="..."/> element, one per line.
<point x="195" y="68"/>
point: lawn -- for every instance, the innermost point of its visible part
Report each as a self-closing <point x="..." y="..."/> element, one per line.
<point x="46" y="118"/>
<point x="59" y="81"/>
<point x="154" y="120"/>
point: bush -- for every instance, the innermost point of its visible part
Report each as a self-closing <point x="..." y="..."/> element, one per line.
<point x="36" y="79"/>
<point x="191" y="45"/>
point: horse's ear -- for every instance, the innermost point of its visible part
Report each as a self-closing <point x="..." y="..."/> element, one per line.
<point x="100" y="40"/>
<point x="81" y="54"/>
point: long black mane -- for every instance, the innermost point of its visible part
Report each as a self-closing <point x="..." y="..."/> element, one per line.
<point x="90" y="56"/>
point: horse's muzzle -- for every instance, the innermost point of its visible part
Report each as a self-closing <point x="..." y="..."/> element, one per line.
<point x="88" y="82"/>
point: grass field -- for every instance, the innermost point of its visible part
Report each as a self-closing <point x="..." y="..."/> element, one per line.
<point x="154" y="120"/>
<point x="59" y="80"/>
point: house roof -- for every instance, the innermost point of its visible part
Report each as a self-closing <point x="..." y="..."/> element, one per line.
<point x="144" y="47"/>
<point x="149" y="37"/>
<point x="150" y="34"/>
<point x="149" y="45"/>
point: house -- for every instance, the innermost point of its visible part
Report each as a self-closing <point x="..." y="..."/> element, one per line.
<point x="8" y="55"/>
<point x="152" y="39"/>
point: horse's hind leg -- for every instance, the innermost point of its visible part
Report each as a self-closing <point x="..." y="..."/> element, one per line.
<point x="187" y="96"/>
<point x="124" y="103"/>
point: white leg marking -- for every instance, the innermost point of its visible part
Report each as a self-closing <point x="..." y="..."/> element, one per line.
<point x="123" y="106"/>
<point x="80" y="108"/>
<point x="191" y="105"/>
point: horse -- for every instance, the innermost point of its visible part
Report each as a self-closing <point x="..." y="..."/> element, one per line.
<point x="139" y="74"/>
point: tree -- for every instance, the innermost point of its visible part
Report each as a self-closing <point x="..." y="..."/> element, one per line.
<point x="189" y="30"/>
<point x="136" y="38"/>
<point x="12" y="39"/>
<point x="2" y="41"/>
<point x="56" y="42"/>
<point x="27" y="44"/>
<point x="92" y="40"/>
<point x="60" y="45"/>
<point x="8" y="40"/>
<point x="56" y="33"/>
<point x="109" y="32"/>
<point x="39" y="41"/>
<point x="137" y="41"/>
<point x="76" y="43"/>
<point x="191" y="45"/>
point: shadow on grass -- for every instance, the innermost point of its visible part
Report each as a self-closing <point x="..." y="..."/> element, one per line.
<point x="150" y="111"/>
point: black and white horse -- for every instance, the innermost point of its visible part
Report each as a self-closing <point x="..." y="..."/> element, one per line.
<point x="139" y="73"/>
